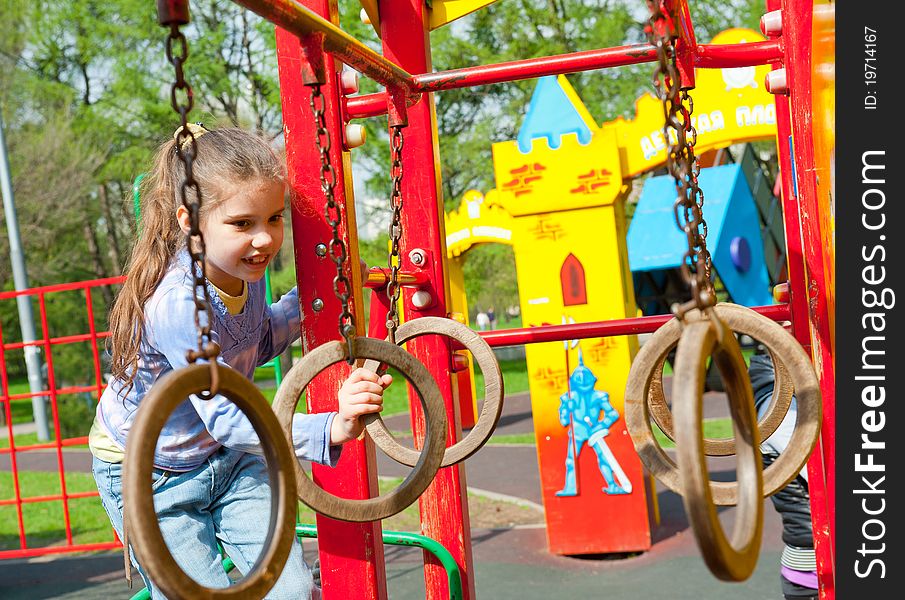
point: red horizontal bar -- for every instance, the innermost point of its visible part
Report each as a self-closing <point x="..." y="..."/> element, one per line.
<point x="51" y="498"/>
<point x="530" y="68"/>
<point x="68" y="339"/>
<point x="32" y="552"/>
<point x="367" y="105"/>
<point x="75" y="389"/>
<point x="77" y="441"/>
<point x="575" y="331"/>
<point x="62" y="287"/>
<point x="752" y="54"/>
<point x="707" y="56"/>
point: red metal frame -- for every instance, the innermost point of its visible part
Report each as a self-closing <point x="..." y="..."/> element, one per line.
<point x="303" y="20"/>
<point x="596" y="329"/>
<point x="48" y="342"/>
<point x="797" y="17"/>
<point x="405" y="44"/>
<point x="444" y="506"/>
<point x="351" y="554"/>
<point x="707" y="56"/>
<point x="355" y="550"/>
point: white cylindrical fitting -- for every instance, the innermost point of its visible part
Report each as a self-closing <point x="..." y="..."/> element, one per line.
<point x="422" y="299"/>
<point x="349" y="82"/>
<point x="776" y="82"/>
<point x="771" y="23"/>
<point x="355" y="135"/>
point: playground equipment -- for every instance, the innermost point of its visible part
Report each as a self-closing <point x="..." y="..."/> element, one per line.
<point x="559" y="203"/>
<point x="410" y="52"/>
<point x="655" y="244"/>
<point x="395" y="538"/>
<point x="302" y="38"/>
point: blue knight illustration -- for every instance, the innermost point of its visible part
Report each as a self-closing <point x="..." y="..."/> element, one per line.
<point x="589" y="415"/>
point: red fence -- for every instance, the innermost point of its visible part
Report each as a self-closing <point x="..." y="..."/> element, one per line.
<point x="10" y="455"/>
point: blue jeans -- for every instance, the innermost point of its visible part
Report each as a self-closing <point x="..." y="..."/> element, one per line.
<point x="227" y="499"/>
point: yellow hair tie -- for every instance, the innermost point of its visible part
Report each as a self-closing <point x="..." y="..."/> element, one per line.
<point x="196" y="129"/>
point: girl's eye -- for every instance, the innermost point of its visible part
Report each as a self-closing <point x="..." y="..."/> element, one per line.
<point x="240" y="224"/>
<point x="276" y="218"/>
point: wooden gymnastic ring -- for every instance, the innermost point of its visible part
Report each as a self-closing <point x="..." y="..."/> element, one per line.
<point x="493" y="395"/>
<point x="741" y="320"/>
<point x="728" y="560"/>
<point x="138" y="501"/>
<point x="776" y="476"/>
<point x="370" y="509"/>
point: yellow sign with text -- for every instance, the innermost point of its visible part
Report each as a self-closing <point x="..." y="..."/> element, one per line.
<point x="730" y="106"/>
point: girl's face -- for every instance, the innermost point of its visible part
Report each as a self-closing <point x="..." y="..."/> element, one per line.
<point x="242" y="234"/>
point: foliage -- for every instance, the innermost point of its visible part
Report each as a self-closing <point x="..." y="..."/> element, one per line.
<point x="85" y="100"/>
<point x="490" y="279"/>
<point x="75" y="413"/>
<point x="470" y="120"/>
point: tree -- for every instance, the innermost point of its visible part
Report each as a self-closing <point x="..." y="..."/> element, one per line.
<point x="84" y="89"/>
<point x="470" y="120"/>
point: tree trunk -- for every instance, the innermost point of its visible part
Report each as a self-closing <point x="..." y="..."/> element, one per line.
<point x="99" y="271"/>
<point x="112" y="237"/>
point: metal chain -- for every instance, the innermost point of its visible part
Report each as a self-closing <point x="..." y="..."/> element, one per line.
<point x="333" y="212"/>
<point x="393" y="287"/>
<point x="177" y="52"/>
<point x="681" y="162"/>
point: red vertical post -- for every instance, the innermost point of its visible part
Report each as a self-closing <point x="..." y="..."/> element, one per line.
<point x="14" y="469"/>
<point x="95" y="353"/>
<point x="794" y="123"/>
<point x="54" y="404"/>
<point x="351" y="554"/>
<point x="444" y="506"/>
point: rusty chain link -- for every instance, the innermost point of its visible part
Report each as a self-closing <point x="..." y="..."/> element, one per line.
<point x="681" y="162"/>
<point x="342" y="287"/>
<point x="187" y="151"/>
<point x="394" y="260"/>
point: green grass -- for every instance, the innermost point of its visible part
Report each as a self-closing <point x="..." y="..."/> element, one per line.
<point x="713" y="429"/>
<point x="515" y="380"/>
<point x="526" y="439"/>
<point x="21" y="410"/>
<point x="44" y="523"/>
<point x="44" y="520"/>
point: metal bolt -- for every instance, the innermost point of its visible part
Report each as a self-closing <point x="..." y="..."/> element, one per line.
<point x="321" y="250"/>
<point x="417" y="257"/>
<point x="317" y="304"/>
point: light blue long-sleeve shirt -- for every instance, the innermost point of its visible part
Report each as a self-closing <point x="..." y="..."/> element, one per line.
<point x="197" y="428"/>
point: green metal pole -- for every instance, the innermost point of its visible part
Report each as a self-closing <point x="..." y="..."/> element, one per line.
<point x="136" y="200"/>
<point x="268" y="294"/>
<point x="395" y="538"/>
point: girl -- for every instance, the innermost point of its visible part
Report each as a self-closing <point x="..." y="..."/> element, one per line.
<point x="210" y="483"/>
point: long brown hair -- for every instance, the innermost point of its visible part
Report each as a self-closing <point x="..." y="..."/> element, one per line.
<point x="224" y="157"/>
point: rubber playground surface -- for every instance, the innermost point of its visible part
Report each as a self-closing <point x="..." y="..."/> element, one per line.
<point x="509" y="562"/>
